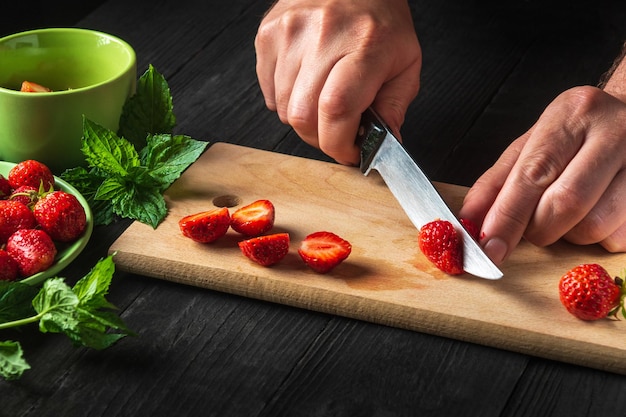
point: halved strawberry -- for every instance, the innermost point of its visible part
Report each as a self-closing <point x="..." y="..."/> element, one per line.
<point x="266" y="250"/>
<point x="254" y="219"/>
<point x="440" y="243"/>
<point x="206" y="226"/>
<point x="471" y="227"/>
<point x="31" y="87"/>
<point x="322" y="251"/>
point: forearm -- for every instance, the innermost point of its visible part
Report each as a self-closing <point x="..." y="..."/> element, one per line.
<point x="614" y="80"/>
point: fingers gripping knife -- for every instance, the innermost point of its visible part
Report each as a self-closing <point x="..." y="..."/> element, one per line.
<point x="382" y="151"/>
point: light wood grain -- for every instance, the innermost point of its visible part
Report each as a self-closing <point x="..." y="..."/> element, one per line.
<point x="386" y="279"/>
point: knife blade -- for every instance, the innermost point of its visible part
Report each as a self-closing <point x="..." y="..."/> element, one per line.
<point x="381" y="151"/>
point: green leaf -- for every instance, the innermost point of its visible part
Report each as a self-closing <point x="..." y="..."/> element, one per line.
<point x="145" y="205"/>
<point x="107" y="152"/>
<point x="96" y="283"/>
<point x="16" y="300"/>
<point x="168" y="156"/>
<point x="12" y="362"/>
<point x="150" y="110"/>
<point x="56" y="302"/>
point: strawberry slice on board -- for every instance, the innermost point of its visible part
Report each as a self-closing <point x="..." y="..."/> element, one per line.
<point x="440" y="243"/>
<point x="323" y="251"/>
<point x="266" y="250"/>
<point x="206" y="226"/>
<point x="254" y="219"/>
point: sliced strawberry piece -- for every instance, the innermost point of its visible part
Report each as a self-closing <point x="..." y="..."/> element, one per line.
<point x="441" y="244"/>
<point x="31" y="87"/>
<point x="322" y="251"/>
<point x="266" y="250"/>
<point x="471" y="227"/>
<point x="253" y="219"/>
<point x="206" y="226"/>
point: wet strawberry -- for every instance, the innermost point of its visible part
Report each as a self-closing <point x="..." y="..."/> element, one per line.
<point x="26" y="195"/>
<point x="589" y="293"/>
<point x="14" y="216"/>
<point x="5" y="187"/>
<point x="322" y="251"/>
<point x="32" y="249"/>
<point x="61" y="216"/>
<point x="206" y="226"/>
<point x="471" y="227"/>
<point x="266" y="250"/>
<point x="254" y="219"/>
<point x="441" y="244"/>
<point x="8" y="267"/>
<point x="33" y="173"/>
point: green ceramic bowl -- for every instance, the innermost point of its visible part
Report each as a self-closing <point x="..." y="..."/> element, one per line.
<point x="91" y="74"/>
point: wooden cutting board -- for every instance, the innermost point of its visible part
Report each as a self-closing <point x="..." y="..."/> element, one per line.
<point x="386" y="279"/>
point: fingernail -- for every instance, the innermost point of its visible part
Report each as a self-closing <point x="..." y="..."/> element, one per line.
<point x="496" y="249"/>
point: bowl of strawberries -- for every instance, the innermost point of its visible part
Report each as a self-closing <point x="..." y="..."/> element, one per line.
<point x="45" y="223"/>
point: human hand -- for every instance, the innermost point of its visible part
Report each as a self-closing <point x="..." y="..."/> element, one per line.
<point x="320" y="64"/>
<point x="564" y="178"/>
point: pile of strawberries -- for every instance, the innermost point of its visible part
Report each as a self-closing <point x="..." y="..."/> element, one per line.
<point x="34" y="218"/>
<point x="321" y="251"/>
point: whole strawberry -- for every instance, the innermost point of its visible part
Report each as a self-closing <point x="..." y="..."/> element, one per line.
<point x="33" y="173"/>
<point x="8" y="267"/>
<point x="5" y="187"/>
<point x="26" y="195"/>
<point x="588" y="292"/>
<point x="32" y="249"/>
<point x="61" y="216"/>
<point x="441" y="244"/>
<point x="14" y="216"/>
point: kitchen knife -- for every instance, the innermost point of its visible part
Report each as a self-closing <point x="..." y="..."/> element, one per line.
<point x="381" y="150"/>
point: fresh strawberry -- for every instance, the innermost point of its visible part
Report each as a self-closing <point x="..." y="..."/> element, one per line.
<point x="206" y="226"/>
<point x="32" y="249"/>
<point x="441" y="244"/>
<point x="60" y="215"/>
<point x="588" y="292"/>
<point x="14" y="216"/>
<point x="254" y="219"/>
<point x="266" y="250"/>
<point x="26" y="195"/>
<point x="8" y="267"/>
<point x="33" y="173"/>
<point x="31" y="87"/>
<point x="322" y="251"/>
<point x="471" y="227"/>
<point x="5" y="187"/>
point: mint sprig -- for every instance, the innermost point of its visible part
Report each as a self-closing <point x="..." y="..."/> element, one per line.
<point x="82" y="313"/>
<point x="128" y="172"/>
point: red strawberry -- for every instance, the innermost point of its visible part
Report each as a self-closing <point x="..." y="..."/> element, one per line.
<point x="5" y="187"/>
<point x="26" y="195"/>
<point x="266" y="250"/>
<point x="8" y="267"/>
<point x="471" y="227"/>
<point x="588" y="292"/>
<point x="322" y="251"/>
<point x="61" y="215"/>
<point x="253" y="219"/>
<point x="206" y="226"/>
<point x="14" y="216"/>
<point x="32" y="249"/>
<point x="441" y="244"/>
<point x="31" y="87"/>
<point x="33" y="173"/>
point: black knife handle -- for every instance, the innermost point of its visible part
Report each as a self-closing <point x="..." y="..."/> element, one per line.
<point x="372" y="131"/>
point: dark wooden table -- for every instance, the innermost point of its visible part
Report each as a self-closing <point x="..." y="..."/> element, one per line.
<point x="489" y="70"/>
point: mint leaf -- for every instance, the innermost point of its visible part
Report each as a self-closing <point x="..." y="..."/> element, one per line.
<point x="56" y="303"/>
<point x="88" y="184"/>
<point x="143" y="204"/>
<point x="16" y="300"/>
<point x="150" y="110"/>
<point x="107" y="152"/>
<point x="12" y="362"/>
<point x="168" y="156"/>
